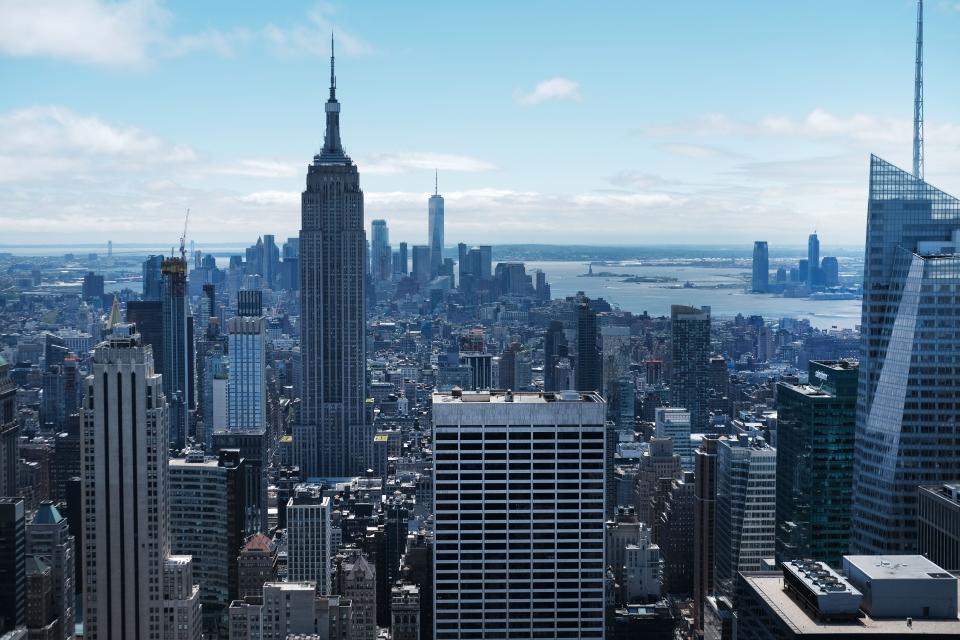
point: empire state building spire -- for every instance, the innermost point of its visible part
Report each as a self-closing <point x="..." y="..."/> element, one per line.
<point x="332" y="148"/>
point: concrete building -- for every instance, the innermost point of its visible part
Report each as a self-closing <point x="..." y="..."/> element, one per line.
<point x="553" y="446"/>
<point x="309" y="546"/>
<point x="356" y="580"/>
<point x="704" y="519"/>
<point x="291" y="610"/>
<point x="182" y="618"/>
<point x="405" y="612"/>
<point x="48" y="539"/>
<point x="255" y="566"/>
<point x="675" y="535"/>
<point x="938" y="524"/>
<point x="9" y="432"/>
<point x="674" y="423"/>
<point x="658" y="461"/>
<point x="745" y="509"/>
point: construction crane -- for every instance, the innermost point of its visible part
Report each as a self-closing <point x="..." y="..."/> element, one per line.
<point x="183" y="238"/>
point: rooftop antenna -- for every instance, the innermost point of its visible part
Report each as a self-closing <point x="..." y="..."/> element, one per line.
<point x="436" y="190"/>
<point x="918" y="99"/>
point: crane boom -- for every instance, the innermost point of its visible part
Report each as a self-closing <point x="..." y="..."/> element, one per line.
<point x="183" y="238"/>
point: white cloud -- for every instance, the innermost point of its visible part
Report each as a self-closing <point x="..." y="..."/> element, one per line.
<point x="695" y="151"/>
<point x="113" y="34"/>
<point x="130" y="34"/>
<point x="262" y="168"/>
<point x="314" y="38"/>
<point x="394" y="163"/>
<point x="552" y="89"/>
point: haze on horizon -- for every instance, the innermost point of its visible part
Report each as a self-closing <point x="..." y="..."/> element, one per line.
<point x="623" y="124"/>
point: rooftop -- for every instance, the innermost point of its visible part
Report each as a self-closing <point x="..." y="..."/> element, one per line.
<point x="520" y="397"/>
<point x="897" y="567"/>
<point x="769" y="587"/>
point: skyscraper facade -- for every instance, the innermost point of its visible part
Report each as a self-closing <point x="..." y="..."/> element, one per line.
<point x="381" y="258"/>
<point x="813" y="260"/>
<point x="745" y="505"/>
<point x="587" y="368"/>
<point x="519" y="498"/>
<point x="247" y="375"/>
<point x="761" y="267"/>
<point x="177" y="348"/>
<point x="690" y="328"/>
<point x="815" y="432"/>
<point x="907" y="407"/>
<point x="704" y="518"/>
<point x="48" y="538"/>
<point x="13" y="571"/>
<point x="309" y="545"/>
<point x="435" y="224"/>
<point x="331" y="438"/>
<point x="9" y="432"/>
<point x="124" y="420"/>
<point x="674" y="423"/>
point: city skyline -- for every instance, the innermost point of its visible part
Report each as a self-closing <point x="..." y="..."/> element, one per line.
<point x="99" y="114"/>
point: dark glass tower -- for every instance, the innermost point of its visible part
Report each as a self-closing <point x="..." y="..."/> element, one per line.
<point x="587" y="370"/>
<point x="332" y="438"/>
<point x="177" y="348"/>
<point x="908" y="411"/>
<point x="761" y="267"/>
<point x="691" y="358"/>
<point x="815" y="433"/>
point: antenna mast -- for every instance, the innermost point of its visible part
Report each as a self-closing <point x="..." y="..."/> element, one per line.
<point x="918" y="99"/>
<point x="183" y="239"/>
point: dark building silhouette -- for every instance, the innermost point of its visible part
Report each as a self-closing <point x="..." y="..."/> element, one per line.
<point x="587" y="368"/>
<point x="690" y="328"/>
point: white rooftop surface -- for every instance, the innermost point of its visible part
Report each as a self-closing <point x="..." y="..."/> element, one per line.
<point x="896" y="567"/>
<point x="770" y="588"/>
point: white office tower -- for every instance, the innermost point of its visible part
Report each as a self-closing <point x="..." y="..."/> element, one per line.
<point x="291" y="610"/>
<point x="181" y="600"/>
<point x="674" y="422"/>
<point x="309" y="547"/>
<point x="519" y="500"/>
<point x="124" y="448"/>
<point x="745" y="512"/>
<point x="247" y="382"/>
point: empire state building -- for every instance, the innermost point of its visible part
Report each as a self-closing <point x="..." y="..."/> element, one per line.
<point x="332" y="437"/>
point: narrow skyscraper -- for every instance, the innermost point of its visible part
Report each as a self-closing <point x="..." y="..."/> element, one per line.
<point x="435" y="220"/>
<point x="918" y="98"/>
<point x="331" y="438"/>
<point x="381" y="265"/>
<point x="690" y="328"/>
<point x="813" y="259"/>
<point x="177" y="348"/>
<point x="761" y="267"/>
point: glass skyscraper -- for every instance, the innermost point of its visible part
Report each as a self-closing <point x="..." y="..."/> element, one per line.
<point x="761" y="267"/>
<point x="435" y="224"/>
<point x="815" y="432"/>
<point x="908" y="408"/>
<point x="690" y="328"/>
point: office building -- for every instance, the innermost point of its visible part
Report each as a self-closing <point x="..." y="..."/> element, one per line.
<point x="658" y="461"/>
<point x="291" y="610"/>
<point x="760" y="282"/>
<point x="554" y="349"/>
<point x="674" y="423"/>
<point x="587" y="367"/>
<point x="331" y="438"/>
<point x="355" y="579"/>
<point x="181" y="600"/>
<point x="938" y="524"/>
<point x="48" y="540"/>
<point x="908" y="359"/>
<point x="675" y="535"/>
<point x="830" y="271"/>
<point x="255" y="452"/>
<point x="745" y="506"/>
<point x="381" y="256"/>
<point x="421" y="264"/>
<point x="147" y="316"/>
<point x="405" y="612"/>
<point x="9" y="432"/>
<point x="704" y="520"/>
<point x="255" y="566"/>
<point x="152" y="278"/>
<point x="813" y="260"/>
<point x="815" y="433"/>
<point x="435" y="230"/>
<point x="13" y="567"/>
<point x="247" y="374"/>
<point x="177" y="347"/>
<point x="125" y="487"/>
<point x="309" y="537"/>
<point x="208" y="523"/>
<point x="690" y="328"/>
<point x="520" y="475"/>
<point x="92" y="288"/>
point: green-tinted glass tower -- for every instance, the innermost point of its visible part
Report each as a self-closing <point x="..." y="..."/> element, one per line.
<point x="815" y="442"/>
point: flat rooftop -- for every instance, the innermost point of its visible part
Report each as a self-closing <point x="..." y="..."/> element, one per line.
<point x="518" y="397"/>
<point x="769" y="587"/>
<point x="897" y="567"/>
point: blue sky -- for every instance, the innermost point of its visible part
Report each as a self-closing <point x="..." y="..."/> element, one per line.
<point x="610" y="123"/>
